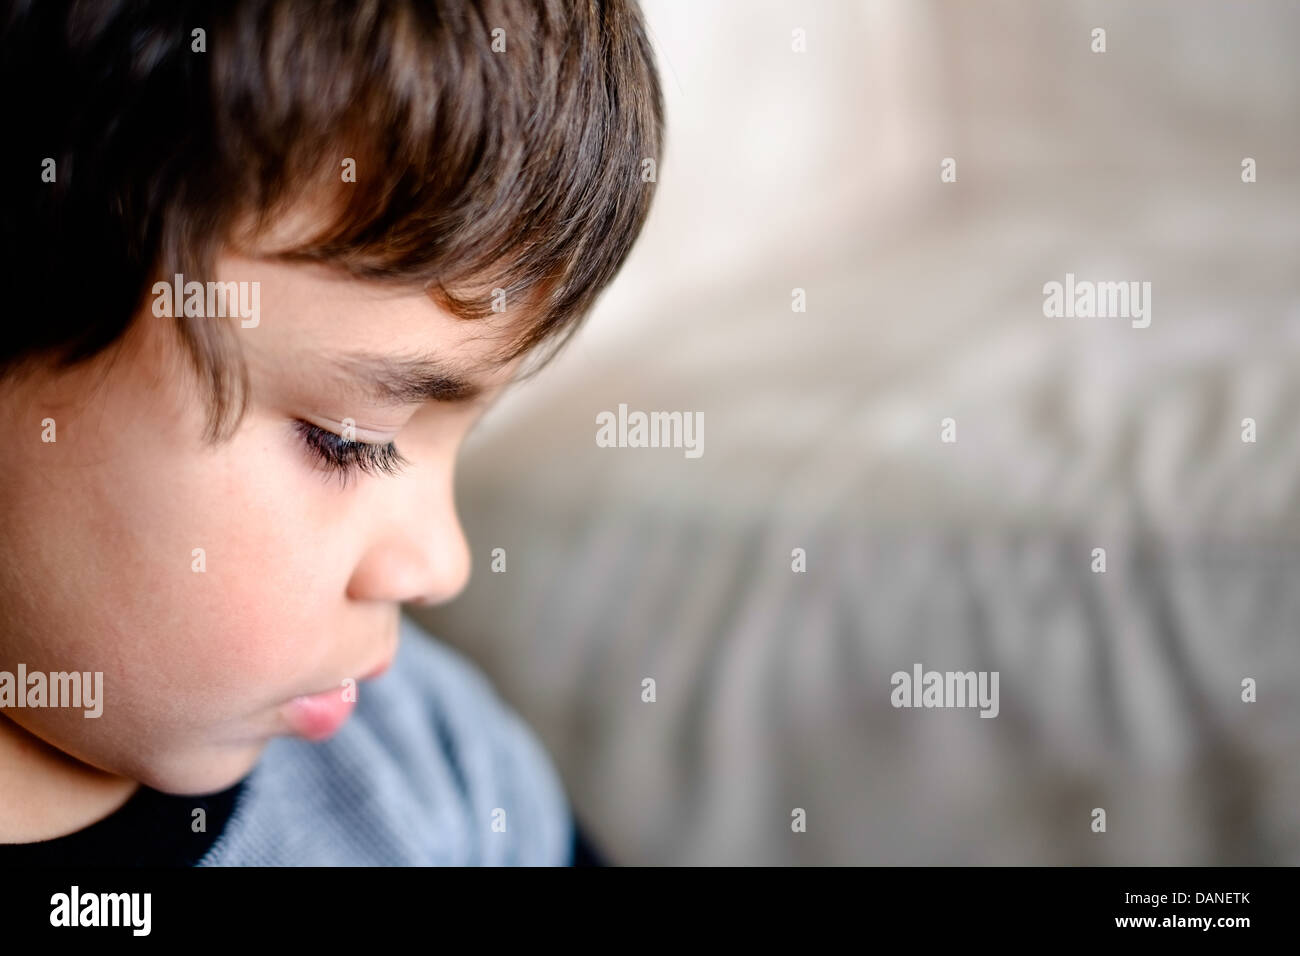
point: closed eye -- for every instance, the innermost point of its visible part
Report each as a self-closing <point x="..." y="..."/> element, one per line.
<point x="346" y="458"/>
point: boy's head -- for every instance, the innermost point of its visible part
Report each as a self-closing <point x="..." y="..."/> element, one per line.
<point x="418" y="198"/>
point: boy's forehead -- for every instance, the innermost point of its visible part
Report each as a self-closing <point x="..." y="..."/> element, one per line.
<point x="322" y="322"/>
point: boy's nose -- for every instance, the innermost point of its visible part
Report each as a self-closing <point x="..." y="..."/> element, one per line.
<point x="425" y="563"/>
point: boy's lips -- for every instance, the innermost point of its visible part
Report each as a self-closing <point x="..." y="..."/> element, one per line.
<point x="318" y="716"/>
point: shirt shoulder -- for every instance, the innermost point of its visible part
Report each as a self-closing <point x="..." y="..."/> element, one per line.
<point x="432" y="768"/>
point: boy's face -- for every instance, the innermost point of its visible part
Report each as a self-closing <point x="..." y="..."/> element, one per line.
<point x="301" y="574"/>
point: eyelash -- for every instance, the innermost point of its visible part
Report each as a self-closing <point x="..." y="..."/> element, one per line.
<point x="346" y="458"/>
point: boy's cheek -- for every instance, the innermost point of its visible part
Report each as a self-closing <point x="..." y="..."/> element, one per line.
<point x="175" y="737"/>
<point x="186" y="700"/>
<point x="194" y="604"/>
<point x="206" y="584"/>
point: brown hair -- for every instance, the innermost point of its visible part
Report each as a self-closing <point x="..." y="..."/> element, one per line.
<point x="523" y="169"/>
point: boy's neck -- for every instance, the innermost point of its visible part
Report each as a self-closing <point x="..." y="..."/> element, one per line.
<point x="44" y="793"/>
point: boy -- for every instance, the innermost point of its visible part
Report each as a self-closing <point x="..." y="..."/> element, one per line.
<point x="268" y="262"/>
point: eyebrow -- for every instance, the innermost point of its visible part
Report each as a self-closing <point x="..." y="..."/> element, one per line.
<point x="407" y="381"/>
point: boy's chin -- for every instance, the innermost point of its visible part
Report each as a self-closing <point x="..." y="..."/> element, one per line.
<point x="204" y="773"/>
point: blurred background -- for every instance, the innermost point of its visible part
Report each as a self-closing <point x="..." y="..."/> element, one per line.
<point x="820" y="170"/>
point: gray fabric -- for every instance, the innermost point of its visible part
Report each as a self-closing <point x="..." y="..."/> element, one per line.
<point x="412" y="778"/>
<point x="1119" y="690"/>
